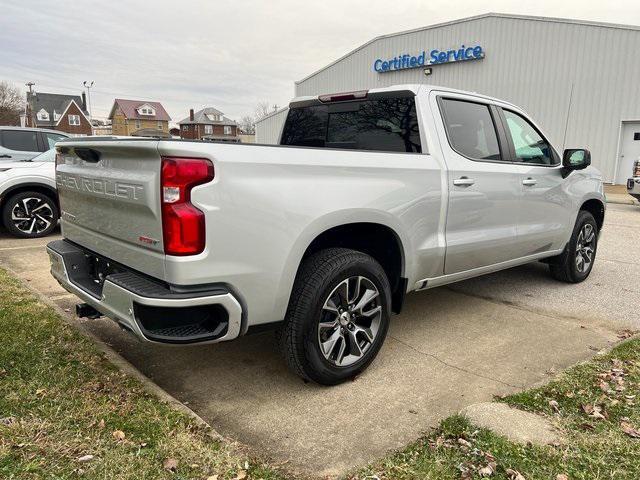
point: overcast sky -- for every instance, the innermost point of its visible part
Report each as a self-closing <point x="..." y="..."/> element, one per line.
<point x="226" y="54"/>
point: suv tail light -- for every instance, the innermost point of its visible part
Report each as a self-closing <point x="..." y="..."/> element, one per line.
<point x="183" y="227"/>
<point x="636" y="168"/>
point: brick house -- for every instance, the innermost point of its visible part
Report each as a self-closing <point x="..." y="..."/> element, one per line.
<point x="67" y="113"/>
<point x="209" y="124"/>
<point x="138" y="117"/>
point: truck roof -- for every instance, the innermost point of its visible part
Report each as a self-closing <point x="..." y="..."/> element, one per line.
<point x="413" y="87"/>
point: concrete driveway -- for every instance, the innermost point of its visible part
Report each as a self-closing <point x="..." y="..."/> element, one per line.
<point x="452" y="346"/>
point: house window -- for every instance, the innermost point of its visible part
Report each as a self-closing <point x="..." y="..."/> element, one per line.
<point x="146" y="111"/>
<point x="213" y="117"/>
<point x="185" y="127"/>
<point x="56" y="116"/>
<point x="160" y="126"/>
<point x="208" y="129"/>
<point x="227" y="130"/>
<point x="74" y="120"/>
<point x="137" y="123"/>
<point x="43" y="115"/>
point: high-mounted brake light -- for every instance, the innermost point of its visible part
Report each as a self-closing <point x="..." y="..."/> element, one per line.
<point x="343" y="97"/>
<point x="183" y="225"/>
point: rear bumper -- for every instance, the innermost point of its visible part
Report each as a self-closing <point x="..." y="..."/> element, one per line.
<point x="151" y="310"/>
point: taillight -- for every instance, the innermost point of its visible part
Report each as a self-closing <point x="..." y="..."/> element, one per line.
<point x="183" y="226"/>
<point x="636" y="168"/>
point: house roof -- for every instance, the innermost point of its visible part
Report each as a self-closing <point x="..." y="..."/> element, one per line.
<point x="129" y="109"/>
<point x="470" y="19"/>
<point x="52" y="103"/>
<point x="200" y="117"/>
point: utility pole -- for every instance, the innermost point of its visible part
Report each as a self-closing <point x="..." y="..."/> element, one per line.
<point x="30" y="86"/>
<point x="88" y="86"/>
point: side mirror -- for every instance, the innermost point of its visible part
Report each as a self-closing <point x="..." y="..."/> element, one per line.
<point x="576" y="158"/>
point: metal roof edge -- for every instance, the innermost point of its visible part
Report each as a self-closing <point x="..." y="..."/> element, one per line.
<point x="469" y="19"/>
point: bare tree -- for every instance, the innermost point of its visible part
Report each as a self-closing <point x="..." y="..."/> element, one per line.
<point x="263" y="109"/>
<point x="248" y="124"/>
<point x="11" y="104"/>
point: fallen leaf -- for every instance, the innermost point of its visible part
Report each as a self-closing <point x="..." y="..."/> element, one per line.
<point x="562" y="476"/>
<point x="170" y="464"/>
<point x="629" y="430"/>
<point x="119" y="435"/>
<point x="485" y="471"/>
<point x="212" y="477"/>
<point x="101" y="424"/>
<point x="514" y="474"/>
<point x="464" y="443"/>
<point x="241" y="475"/>
<point x="554" y="405"/>
<point x="85" y="458"/>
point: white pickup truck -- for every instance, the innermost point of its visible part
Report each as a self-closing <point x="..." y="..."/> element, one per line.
<point x="371" y="195"/>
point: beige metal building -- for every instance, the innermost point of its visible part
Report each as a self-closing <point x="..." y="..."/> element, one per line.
<point x="580" y="80"/>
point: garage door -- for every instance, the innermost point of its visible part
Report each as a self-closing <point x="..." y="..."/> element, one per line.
<point x="630" y="151"/>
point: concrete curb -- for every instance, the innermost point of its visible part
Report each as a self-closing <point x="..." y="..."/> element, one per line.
<point x="154" y="389"/>
<point x="620" y="200"/>
<point x="116" y="359"/>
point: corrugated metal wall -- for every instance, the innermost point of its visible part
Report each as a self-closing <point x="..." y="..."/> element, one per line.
<point x="268" y="128"/>
<point x="582" y="79"/>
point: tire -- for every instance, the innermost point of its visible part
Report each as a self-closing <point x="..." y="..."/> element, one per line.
<point x="314" y="319"/>
<point x="568" y="267"/>
<point x="39" y="211"/>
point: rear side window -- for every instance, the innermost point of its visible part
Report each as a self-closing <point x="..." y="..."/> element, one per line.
<point x="470" y="129"/>
<point x="386" y="124"/>
<point x="52" y="138"/>
<point x="20" y="140"/>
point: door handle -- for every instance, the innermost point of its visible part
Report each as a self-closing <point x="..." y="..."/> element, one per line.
<point x="5" y="156"/>
<point x="529" y="181"/>
<point x="463" y="182"/>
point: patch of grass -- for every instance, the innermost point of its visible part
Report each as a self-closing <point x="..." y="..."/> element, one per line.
<point x="61" y="400"/>
<point x="594" y="405"/>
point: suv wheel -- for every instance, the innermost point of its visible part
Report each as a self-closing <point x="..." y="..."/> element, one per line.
<point x="338" y="316"/>
<point x="30" y="215"/>
<point x="575" y="263"/>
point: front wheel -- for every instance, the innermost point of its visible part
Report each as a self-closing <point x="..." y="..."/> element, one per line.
<point x="30" y="215"/>
<point x="575" y="263"/>
<point x="338" y="316"/>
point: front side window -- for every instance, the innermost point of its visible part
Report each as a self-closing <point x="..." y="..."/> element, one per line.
<point x="74" y="120"/>
<point x="227" y="130"/>
<point x="137" y="123"/>
<point x="208" y="129"/>
<point x="20" y="140"/>
<point x="470" y="129"/>
<point x="52" y="138"/>
<point x="529" y="145"/>
<point x="387" y="124"/>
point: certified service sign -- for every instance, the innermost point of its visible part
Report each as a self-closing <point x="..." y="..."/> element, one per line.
<point x="424" y="59"/>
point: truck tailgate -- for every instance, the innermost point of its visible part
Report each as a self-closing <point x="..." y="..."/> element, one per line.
<point x="109" y="193"/>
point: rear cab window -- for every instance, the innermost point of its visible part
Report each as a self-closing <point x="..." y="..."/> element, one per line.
<point x="388" y="124"/>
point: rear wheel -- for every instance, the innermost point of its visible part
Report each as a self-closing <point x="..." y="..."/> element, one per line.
<point x="576" y="262"/>
<point x="30" y="215"/>
<point x="338" y="316"/>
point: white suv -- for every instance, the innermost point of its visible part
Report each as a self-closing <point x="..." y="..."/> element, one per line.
<point x="17" y="143"/>
<point x="28" y="197"/>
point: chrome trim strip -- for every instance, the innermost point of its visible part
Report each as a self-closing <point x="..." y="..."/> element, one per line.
<point x="427" y="283"/>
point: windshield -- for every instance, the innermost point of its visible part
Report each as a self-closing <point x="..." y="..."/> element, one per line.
<point x="387" y="124"/>
<point x="48" y="156"/>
